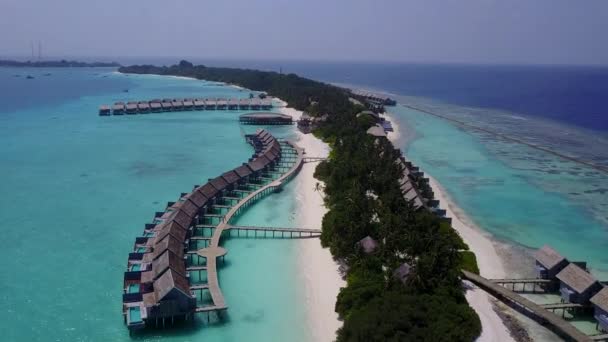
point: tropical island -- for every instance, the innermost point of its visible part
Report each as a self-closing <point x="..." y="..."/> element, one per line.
<point x="56" y="64"/>
<point x="402" y="262"/>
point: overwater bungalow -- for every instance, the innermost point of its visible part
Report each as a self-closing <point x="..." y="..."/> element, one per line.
<point x="233" y="104"/>
<point x="210" y="104"/>
<point x="577" y="285"/>
<point x="170" y="243"/>
<point x="167" y="106"/>
<point x="170" y="298"/>
<point x="221" y="104"/>
<point x="199" y="104"/>
<point x="197" y="198"/>
<point x="177" y="104"/>
<point x="169" y="228"/>
<point x="244" y="104"/>
<point x="165" y="260"/>
<point x="549" y="263"/>
<point x="208" y="190"/>
<point x="219" y="183"/>
<point x="104" y="110"/>
<point x="155" y="107"/>
<point x="187" y="206"/>
<point x="143" y="107"/>
<point x="188" y="104"/>
<point x="243" y="171"/>
<point x="257" y="165"/>
<point x="131" y="108"/>
<point x="255" y="104"/>
<point x="231" y="177"/>
<point x="600" y="309"/>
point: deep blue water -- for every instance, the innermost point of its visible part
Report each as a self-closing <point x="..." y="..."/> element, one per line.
<point x="575" y="95"/>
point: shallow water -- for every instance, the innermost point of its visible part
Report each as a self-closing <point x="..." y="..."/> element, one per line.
<point x="78" y="188"/>
<point x="521" y="195"/>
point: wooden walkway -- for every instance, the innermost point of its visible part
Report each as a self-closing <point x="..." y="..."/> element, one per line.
<point x="284" y="232"/>
<point x="313" y="159"/>
<point x="523" y="282"/>
<point x="535" y="311"/>
<point x="217" y="297"/>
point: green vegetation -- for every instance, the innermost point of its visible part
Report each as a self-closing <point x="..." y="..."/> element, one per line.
<point x="363" y="198"/>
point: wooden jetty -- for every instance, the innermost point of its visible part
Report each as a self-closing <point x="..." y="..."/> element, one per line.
<point x="533" y="310"/>
<point x="164" y="277"/>
<point x="214" y="287"/>
<point x="179" y="105"/>
<point x="284" y="232"/>
<point x="265" y="119"/>
<point x="523" y="282"/>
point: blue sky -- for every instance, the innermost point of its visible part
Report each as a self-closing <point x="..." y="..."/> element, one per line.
<point x="458" y="31"/>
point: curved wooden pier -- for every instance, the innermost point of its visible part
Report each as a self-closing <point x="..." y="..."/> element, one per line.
<point x="172" y="269"/>
<point x="217" y="297"/>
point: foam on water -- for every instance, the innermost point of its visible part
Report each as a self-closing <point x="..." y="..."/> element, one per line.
<point x="78" y="188"/>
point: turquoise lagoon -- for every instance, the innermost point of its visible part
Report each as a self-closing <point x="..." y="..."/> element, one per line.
<point x="522" y="196"/>
<point x="78" y="188"/>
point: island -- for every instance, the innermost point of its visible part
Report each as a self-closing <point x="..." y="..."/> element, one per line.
<point x="401" y="258"/>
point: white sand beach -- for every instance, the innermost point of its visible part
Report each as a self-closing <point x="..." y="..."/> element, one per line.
<point x="489" y="262"/>
<point x="318" y="271"/>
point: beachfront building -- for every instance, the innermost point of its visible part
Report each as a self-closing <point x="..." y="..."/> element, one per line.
<point x="368" y="245"/>
<point x="402" y="272"/>
<point x="118" y="108"/>
<point x="577" y="285"/>
<point x="600" y="309"/>
<point x="549" y="263"/>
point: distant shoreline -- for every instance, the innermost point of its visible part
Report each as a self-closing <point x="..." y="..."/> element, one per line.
<point x="57" y="64"/>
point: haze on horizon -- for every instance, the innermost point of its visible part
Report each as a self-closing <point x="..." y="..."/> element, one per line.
<point x="446" y="31"/>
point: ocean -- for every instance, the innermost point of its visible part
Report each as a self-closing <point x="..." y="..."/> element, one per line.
<point x="95" y="181"/>
<point x="78" y="188"/>
<point x="523" y="196"/>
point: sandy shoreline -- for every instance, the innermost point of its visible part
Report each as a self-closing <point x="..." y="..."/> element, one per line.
<point x="489" y="262"/>
<point x="318" y="272"/>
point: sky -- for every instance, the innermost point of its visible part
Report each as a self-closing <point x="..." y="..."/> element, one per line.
<point x="444" y="31"/>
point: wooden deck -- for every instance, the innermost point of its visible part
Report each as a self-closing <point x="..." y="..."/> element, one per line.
<point x="535" y="311"/>
<point x="217" y="297"/>
<point x="284" y="232"/>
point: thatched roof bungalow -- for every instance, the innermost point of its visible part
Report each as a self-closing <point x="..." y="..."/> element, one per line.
<point x="219" y="183"/>
<point x="600" y="305"/>
<point x="171" y="297"/>
<point x="549" y="263"/>
<point x="577" y="285"/>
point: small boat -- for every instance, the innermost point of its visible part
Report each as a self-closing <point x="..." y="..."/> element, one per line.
<point x="30" y="77"/>
<point x="125" y="91"/>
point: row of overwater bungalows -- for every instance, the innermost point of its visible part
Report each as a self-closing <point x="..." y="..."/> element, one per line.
<point x="157" y="281"/>
<point x="575" y="283"/>
<point x="177" y="105"/>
